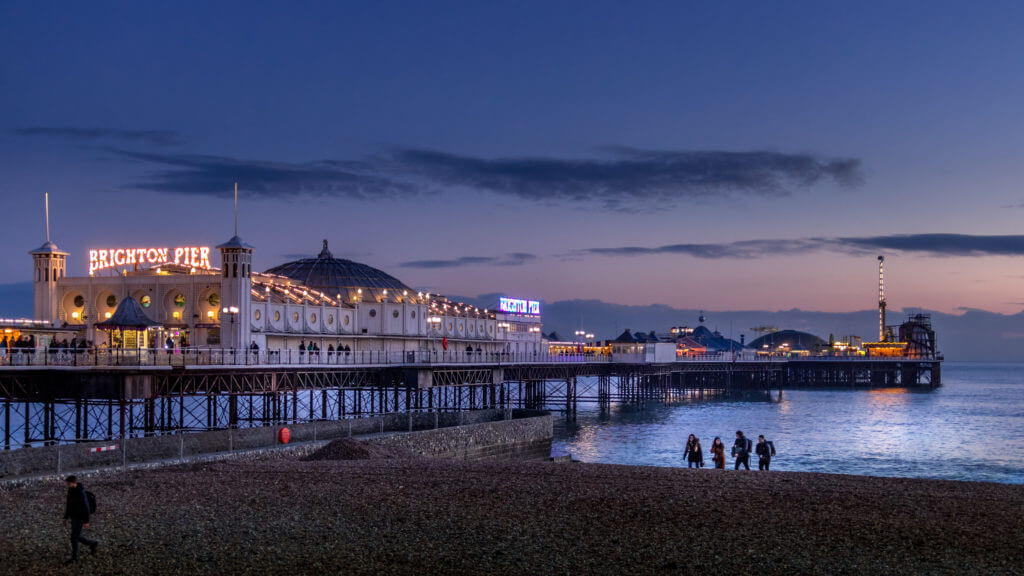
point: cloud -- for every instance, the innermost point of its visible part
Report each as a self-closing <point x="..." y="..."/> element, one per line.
<point x="621" y="179"/>
<point x="76" y="134"/>
<point x="627" y="176"/>
<point x="939" y="245"/>
<point x="213" y="176"/>
<point x="742" y="249"/>
<point x="511" y="259"/>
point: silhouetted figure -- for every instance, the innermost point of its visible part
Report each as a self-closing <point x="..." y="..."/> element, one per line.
<point x="741" y="450"/>
<point x="765" y="450"/>
<point x="693" y="453"/>
<point x="77" y="510"/>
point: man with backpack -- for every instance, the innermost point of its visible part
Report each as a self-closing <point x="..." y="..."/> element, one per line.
<point x="80" y="505"/>
<point x="765" y="451"/>
<point x="741" y="450"/>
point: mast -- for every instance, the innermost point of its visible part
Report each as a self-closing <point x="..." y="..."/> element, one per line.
<point x="881" y="298"/>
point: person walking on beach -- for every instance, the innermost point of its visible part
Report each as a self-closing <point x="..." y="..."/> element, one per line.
<point x="77" y="510"/>
<point x="693" y="453"/>
<point x="765" y="450"/>
<point x="697" y="453"/>
<point x="718" y="453"/>
<point x="741" y="450"/>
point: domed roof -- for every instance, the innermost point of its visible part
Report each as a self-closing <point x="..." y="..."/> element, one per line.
<point x="795" y="339"/>
<point x="334" y="276"/>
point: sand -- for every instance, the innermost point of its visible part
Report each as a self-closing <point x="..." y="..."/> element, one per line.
<point x="349" y="510"/>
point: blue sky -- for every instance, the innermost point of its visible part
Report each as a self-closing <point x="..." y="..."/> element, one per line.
<point x="520" y="147"/>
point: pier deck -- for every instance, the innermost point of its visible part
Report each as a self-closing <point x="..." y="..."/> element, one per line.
<point x="73" y="397"/>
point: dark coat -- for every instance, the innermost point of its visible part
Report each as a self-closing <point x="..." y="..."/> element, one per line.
<point x="765" y="450"/>
<point x="694" y="452"/>
<point x="77" y="506"/>
<point x="741" y="447"/>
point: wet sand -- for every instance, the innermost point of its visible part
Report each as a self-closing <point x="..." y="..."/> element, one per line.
<point x="372" y="512"/>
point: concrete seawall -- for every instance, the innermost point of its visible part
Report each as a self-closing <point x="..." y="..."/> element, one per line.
<point x="474" y="434"/>
<point x="520" y="438"/>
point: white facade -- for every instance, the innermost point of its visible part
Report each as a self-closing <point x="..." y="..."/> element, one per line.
<point x="233" y="307"/>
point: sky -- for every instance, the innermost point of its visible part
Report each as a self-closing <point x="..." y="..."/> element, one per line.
<point x="733" y="156"/>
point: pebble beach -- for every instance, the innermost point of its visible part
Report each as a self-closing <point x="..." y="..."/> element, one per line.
<point x="354" y="509"/>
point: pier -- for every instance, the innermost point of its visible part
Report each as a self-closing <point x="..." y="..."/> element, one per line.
<point x="68" y="397"/>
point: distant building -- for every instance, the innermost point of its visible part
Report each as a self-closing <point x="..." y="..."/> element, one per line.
<point x="788" y="343"/>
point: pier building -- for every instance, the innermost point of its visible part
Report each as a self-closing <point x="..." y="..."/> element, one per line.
<point x="325" y="301"/>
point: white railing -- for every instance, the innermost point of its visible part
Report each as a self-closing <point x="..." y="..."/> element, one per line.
<point x="248" y="357"/>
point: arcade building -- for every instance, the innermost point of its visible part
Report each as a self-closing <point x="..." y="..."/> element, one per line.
<point x="323" y="300"/>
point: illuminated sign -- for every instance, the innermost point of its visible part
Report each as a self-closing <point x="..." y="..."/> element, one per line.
<point x="514" y="306"/>
<point x="192" y="256"/>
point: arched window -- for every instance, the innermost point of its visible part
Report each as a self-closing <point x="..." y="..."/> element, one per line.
<point x="234" y="270"/>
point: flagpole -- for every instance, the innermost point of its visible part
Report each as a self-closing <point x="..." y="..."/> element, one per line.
<point x="46" y="201"/>
<point x="236" y="208"/>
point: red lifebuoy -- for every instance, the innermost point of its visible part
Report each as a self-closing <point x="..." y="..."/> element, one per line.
<point x="284" y="435"/>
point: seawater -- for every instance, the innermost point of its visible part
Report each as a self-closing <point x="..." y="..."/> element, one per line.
<point x="970" y="428"/>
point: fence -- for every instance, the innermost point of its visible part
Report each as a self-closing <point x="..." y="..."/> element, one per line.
<point x="61" y="458"/>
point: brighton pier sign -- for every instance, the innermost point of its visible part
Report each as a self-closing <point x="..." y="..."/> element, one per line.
<point x="517" y="306"/>
<point x="192" y="256"/>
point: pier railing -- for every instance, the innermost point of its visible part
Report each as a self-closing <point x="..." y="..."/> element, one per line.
<point x="21" y="358"/>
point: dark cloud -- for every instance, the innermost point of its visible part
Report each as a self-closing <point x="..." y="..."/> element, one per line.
<point x="743" y="249"/>
<point x="85" y="135"/>
<point x="624" y="179"/>
<point x="940" y="245"/>
<point x="628" y="176"/>
<point x="214" y="175"/>
<point x="511" y="259"/>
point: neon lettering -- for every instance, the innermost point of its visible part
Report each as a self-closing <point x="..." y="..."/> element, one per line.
<point x="190" y="256"/>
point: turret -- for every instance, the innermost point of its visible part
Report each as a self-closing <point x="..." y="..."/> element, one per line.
<point x="49" y="264"/>
<point x="235" y="289"/>
<point x="235" y="292"/>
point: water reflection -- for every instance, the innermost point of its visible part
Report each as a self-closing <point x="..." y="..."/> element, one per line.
<point x="971" y="428"/>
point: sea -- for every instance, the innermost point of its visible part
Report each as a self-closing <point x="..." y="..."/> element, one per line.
<point x="970" y="428"/>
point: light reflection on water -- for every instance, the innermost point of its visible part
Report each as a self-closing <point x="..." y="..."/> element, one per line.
<point x="972" y="428"/>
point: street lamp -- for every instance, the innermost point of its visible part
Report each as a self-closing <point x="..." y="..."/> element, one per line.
<point x="231" y="311"/>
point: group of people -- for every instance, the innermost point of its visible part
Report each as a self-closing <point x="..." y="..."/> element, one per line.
<point x="742" y="447"/>
<point x="64" y="345"/>
<point x="314" y="350"/>
<point x="21" y="343"/>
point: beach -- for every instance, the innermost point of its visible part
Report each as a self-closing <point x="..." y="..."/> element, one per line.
<point x="356" y="510"/>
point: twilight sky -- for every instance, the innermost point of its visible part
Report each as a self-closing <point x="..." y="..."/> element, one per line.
<point x="747" y="156"/>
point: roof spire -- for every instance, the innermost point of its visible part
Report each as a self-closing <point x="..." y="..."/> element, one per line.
<point x="236" y="209"/>
<point x="325" y="253"/>
<point x="46" y="203"/>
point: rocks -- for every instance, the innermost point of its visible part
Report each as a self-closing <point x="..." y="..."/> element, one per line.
<point x="348" y="449"/>
<point x="368" y="513"/>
